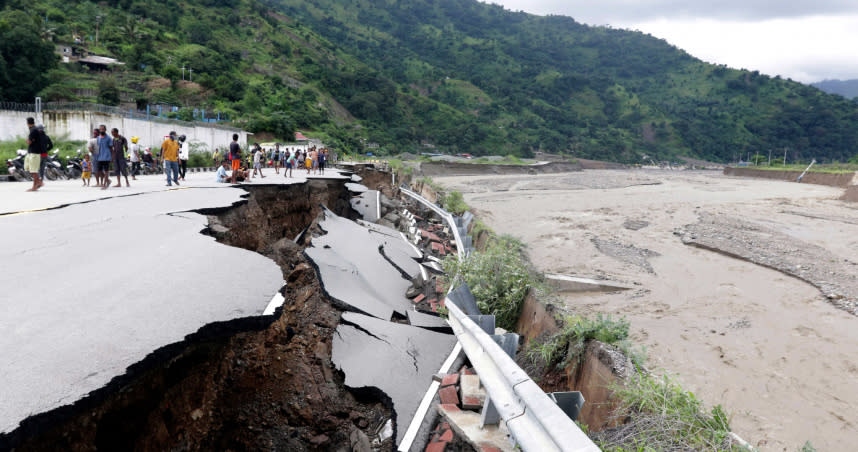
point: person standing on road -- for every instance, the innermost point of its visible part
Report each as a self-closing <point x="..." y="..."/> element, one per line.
<point x="183" y="158"/>
<point x="105" y="154"/>
<point x="86" y="169"/>
<point x="34" y="151"/>
<point x="216" y="157"/>
<point x="134" y="150"/>
<point x="119" y="148"/>
<point x="288" y="163"/>
<point x="47" y="145"/>
<point x="258" y="156"/>
<point x="276" y="158"/>
<point x="170" y="154"/>
<point x="235" y="155"/>
<point x="92" y="147"/>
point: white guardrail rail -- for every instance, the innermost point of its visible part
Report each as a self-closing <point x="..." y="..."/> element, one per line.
<point x="535" y="421"/>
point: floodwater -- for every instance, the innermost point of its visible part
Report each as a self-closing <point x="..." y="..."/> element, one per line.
<point x="766" y="346"/>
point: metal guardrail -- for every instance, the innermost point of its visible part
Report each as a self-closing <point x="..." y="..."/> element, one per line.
<point x="535" y="421"/>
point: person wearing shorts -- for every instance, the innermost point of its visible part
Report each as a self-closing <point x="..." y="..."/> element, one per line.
<point x="276" y="158"/>
<point x="33" y="160"/>
<point x="86" y="167"/>
<point x="105" y="145"/>
<point x="235" y="156"/>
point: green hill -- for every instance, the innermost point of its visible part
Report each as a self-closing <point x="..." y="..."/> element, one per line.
<point x="456" y="75"/>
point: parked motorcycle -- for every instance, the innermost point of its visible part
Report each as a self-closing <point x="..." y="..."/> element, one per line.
<point x="16" y="167"/>
<point x="74" y="168"/>
<point x="54" y="167"/>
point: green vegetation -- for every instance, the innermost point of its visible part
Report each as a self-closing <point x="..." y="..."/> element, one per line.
<point x="453" y="202"/>
<point x="498" y="277"/>
<point x="663" y="416"/>
<point x="9" y="149"/>
<point x="807" y="447"/>
<point x="485" y="80"/>
<point x="568" y="345"/>
<point x="833" y="168"/>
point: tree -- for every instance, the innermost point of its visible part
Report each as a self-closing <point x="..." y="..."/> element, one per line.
<point x="108" y="91"/>
<point x="25" y="58"/>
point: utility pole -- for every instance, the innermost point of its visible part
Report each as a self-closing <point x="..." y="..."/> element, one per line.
<point x="770" y="157"/>
<point x="97" y="22"/>
<point x="785" y="149"/>
<point x="191" y="75"/>
<point x="183" y="72"/>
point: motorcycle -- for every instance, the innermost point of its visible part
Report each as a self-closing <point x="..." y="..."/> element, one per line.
<point x="54" y="167"/>
<point x="74" y="168"/>
<point x="16" y="167"/>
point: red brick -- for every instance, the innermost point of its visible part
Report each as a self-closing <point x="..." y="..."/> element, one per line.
<point x="434" y="305"/>
<point x="419" y="298"/>
<point x="466" y="371"/>
<point x="436" y="447"/>
<point x="448" y="407"/>
<point x="443" y="303"/>
<point x="449" y="396"/>
<point x="486" y="447"/>
<point x="449" y="380"/>
<point x="470" y="402"/>
<point x="447" y="435"/>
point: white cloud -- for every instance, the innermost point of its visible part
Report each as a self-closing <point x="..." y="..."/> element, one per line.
<point x="805" y="49"/>
<point x="803" y="40"/>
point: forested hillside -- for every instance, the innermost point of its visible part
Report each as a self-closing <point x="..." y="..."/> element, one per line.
<point x="458" y="75"/>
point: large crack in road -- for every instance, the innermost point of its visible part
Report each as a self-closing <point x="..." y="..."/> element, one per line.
<point x="253" y="383"/>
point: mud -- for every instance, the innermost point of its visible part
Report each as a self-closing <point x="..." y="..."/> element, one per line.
<point x="261" y="383"/>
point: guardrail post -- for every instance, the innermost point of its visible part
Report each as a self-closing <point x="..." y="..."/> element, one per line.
<point x="570" y="402"/>
<point x="490" y="414"/>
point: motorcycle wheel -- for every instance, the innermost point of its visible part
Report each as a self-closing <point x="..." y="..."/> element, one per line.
<point x="50" y="173"/>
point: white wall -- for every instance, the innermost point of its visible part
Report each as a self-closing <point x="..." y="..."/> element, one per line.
<point x="78" y="125"/>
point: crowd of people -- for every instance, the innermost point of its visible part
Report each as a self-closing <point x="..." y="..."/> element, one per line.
<point x="114" y="150"/>
<point x="312" y="159"/>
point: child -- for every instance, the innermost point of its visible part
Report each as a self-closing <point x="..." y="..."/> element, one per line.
<point x="86" y="167"/>
<point x="257" y="162"/>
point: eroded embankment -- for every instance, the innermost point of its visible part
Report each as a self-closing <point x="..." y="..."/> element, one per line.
<point x="261" y="383"/>
<point x="834" y="180"/>
<point x="468" y="169"/>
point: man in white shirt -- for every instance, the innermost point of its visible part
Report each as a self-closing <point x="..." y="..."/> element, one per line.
<point x="134" y="150"/>
<point x="221" y="172"/>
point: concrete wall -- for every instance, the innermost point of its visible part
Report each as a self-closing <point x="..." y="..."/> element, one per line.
<point x="78" y="125"/>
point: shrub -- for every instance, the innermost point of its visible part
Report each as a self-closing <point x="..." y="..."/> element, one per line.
<point x="454" y="202"/>
<point x="498" y="277"/>
<point x="663" y="416"/>
<point x="568" y="345"/>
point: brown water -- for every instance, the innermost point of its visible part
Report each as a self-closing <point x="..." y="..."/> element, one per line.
<point x="766" y="346"/>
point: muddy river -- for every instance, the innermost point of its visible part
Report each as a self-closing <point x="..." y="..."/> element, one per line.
<point x="768" y="346"/>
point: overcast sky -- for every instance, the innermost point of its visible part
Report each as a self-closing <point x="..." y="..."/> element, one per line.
<point x="805" y="40"/>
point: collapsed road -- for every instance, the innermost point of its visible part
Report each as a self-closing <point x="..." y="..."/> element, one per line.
<point x="131" y="328"/>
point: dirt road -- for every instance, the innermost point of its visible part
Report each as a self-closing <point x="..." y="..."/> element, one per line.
<point x="753" y="337"/>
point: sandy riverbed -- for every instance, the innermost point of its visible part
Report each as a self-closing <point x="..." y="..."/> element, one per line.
<point x="767" y="346"/>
